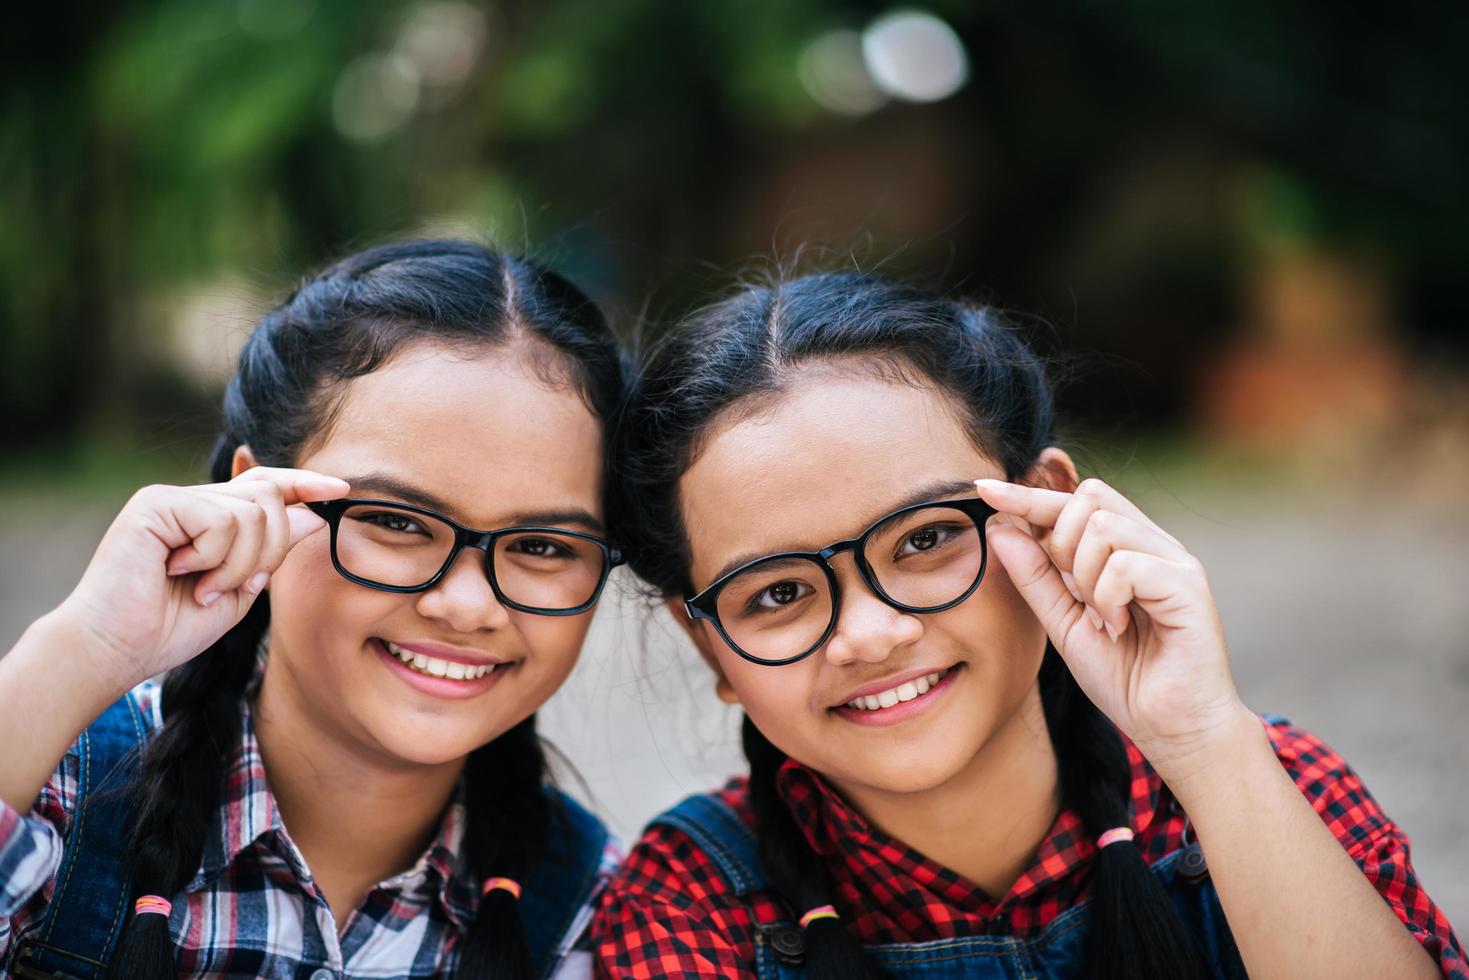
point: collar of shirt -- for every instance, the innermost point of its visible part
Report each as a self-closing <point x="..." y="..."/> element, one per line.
<point x="880" y="864"/>
<point x="248" y="818"/>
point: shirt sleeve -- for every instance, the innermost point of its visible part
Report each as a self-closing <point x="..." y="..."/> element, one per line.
<point x="1378" y="846"/>
<point x="30" y="850"/>
<point x="576" y="948"/>
<point x="667" y="914"/>
<point x="31" y="844"/>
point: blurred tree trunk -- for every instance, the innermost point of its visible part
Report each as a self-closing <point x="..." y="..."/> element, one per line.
<point x="59" y="241"/>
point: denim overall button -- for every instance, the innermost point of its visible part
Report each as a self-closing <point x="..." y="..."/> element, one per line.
<point x="787" y="942"/>
<point x="1191" y="864"/>
<point x="323" y="974"/>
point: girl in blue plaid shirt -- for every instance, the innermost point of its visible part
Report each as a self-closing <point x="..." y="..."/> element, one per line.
<point x="393" y="568"/>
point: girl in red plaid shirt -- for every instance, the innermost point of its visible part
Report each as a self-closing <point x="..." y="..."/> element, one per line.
<point x="343" y="776"/>
<point x="989" y="715"/>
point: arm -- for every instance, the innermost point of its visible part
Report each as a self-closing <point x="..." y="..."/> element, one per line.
<point x="53" y="684"/>
<point x="176" y="569"/>
<point x="1131" y="612"/>
<point x="1297" y="903"/>
<point x="31" y="847"/>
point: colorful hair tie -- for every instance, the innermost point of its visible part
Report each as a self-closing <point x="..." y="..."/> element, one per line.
<point x="819" y="912"/>
<point x="152" y="905"/>
<point x="1114" y="836"/>
<point x="503" y="884"/>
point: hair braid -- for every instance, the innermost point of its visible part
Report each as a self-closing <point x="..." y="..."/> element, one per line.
<point x="510" y="814"/>
<point x="181" y="776"/>
<point x="797" y="873"/>
<point x="1135" y="930"/>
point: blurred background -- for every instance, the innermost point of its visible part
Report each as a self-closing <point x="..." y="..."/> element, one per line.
<point x="1237" y="228"/>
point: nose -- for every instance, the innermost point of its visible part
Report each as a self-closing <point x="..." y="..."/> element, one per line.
<point x="463" y="599"/>
<point x="867" y="629"/>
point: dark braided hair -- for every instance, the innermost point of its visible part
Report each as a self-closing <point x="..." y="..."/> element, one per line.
<point x="341" y="324"/>
<point x="748" y="345"/>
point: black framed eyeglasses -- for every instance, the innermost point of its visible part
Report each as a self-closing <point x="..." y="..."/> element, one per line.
<point x="400" y="548"/>
<point x="781" y="608"/>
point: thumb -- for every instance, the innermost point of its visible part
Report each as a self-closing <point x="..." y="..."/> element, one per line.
<point x="303" y="524"/>
<point x="1037" y="579"/>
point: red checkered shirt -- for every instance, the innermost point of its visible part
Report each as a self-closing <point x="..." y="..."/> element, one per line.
<point x="668" y="912"/>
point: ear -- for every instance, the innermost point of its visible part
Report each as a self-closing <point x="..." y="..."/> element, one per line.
<point x="1053" y="470"/>
<point x="244" y="460"/>
<point x="704" y="640"/>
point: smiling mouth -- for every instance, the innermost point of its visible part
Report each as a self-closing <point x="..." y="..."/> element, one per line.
<point x="434" y="667"/>
<point x="906" y="691"/>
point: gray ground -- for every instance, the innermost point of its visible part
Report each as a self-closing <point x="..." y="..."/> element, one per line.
<point x="1348" y="618"/>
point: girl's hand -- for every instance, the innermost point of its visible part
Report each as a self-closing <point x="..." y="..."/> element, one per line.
<point x="1130" y="611"/>
<point x="181" y="565"/>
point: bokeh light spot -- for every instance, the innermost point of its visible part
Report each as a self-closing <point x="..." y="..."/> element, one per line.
<point x="914" y="56"/>
<point x="375" y="95"/>
<point x="443" y="39"/>
<point x="834" y="73"/>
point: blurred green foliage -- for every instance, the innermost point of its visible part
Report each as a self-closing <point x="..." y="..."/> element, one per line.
<point x="1112" y="167"/>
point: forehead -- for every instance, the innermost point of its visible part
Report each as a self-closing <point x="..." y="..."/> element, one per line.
<point x="818" y="463"/>
<point x="486" y="431"/>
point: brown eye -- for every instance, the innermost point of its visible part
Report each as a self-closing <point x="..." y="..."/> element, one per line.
<point x="390" y="521"/>
<point x="541" y="548"/>
<point x="778" y="595"/>
<point x="930" y="538"/>
<point x="924" y="539"/>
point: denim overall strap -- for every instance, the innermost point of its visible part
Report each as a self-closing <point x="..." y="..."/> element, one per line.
<point x="1059" y="949"/>
<point x="561" y="884"/>
<point x="89" y="907"/>
<point x="720" y="833"/>
<point x="1055" y="952"/>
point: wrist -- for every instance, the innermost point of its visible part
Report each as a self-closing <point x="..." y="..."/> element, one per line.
<point x="1210" y="757"/>
<point x="67" y="646"/>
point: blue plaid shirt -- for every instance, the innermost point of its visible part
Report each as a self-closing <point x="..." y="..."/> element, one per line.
<point x="253" y="908"/>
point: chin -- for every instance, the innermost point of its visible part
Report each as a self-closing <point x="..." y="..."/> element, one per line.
<point x="425" y="744"/>
<point x="900" y="774"/>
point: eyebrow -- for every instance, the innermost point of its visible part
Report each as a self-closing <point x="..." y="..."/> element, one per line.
<point x="928" y="492"/>
<point x="393" y="487"/>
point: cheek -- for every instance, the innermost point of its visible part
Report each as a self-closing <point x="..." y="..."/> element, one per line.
<point x="1005" y="611"/>
<point x="316" y="611"/>
<point x="777" y="699"/>
<point x="998" y="636"/>
<point x="308" y="565"/>
<point x="556" y="642"/>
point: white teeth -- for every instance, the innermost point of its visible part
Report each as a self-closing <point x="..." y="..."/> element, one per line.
<point x="906" y="691"/>
<point x="435" y="667"/>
